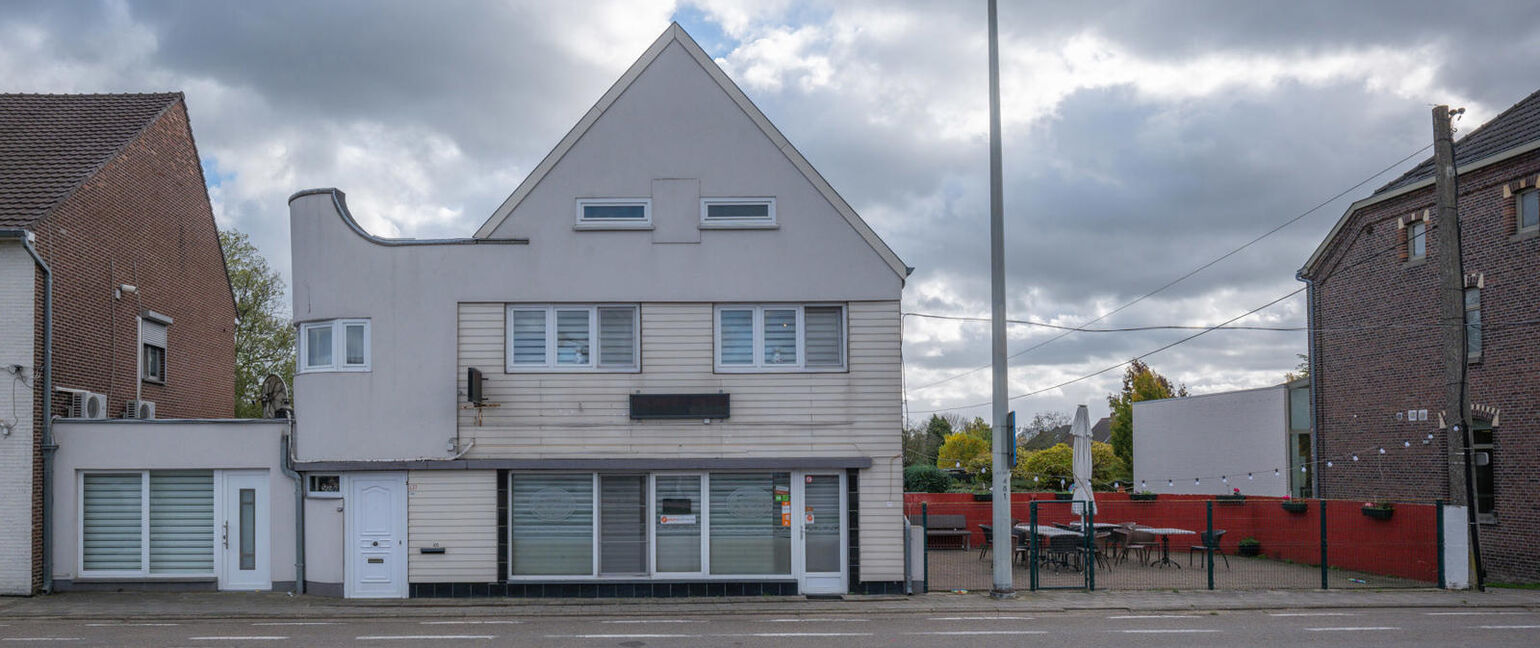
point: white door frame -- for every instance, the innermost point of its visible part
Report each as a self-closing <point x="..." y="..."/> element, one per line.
<point x="228" y="514"/>
<point x="351" y="553"/>
<point x="822" y="582"/>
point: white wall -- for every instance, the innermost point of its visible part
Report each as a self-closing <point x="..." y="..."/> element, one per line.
<point x="169" y="445"/>
<point x="17" y="290"/>
<point x="1212" y="436"/>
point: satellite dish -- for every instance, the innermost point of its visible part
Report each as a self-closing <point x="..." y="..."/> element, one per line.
<point x="275" y="397"/>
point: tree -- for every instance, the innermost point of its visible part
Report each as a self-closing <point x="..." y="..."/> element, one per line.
<point x="1056" y="464"/>
<point x="978" y="428"/>
<point x="1045" y="421"/>
<point x="1140" y="383"/>
<point x="1301" y="370"/>
<point x="264" y="339"/>
<point x="963" y="450"/>
<point x="936" y="431"/>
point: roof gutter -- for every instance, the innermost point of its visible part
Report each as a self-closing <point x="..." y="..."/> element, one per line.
<point x="46" y="429"/>
<point x="1314" y="367"/>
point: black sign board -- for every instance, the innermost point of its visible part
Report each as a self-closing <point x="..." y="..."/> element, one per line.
<point x="679" y="406"/>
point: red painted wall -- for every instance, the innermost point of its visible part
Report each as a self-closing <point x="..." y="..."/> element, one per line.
<point x="1405" y="546"/>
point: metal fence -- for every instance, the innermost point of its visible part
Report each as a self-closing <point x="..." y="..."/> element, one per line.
<point x="1184" y="543"/>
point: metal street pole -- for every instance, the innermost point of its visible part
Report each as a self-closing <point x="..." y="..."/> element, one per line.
<point x="1003" y="542"/>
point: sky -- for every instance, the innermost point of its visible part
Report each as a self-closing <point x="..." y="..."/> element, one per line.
<point x="1141" y="139"/>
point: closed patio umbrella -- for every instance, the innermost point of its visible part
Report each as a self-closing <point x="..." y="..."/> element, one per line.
<point x="1080" y="431"/>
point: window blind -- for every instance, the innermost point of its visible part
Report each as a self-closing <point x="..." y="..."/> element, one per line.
<point x="552" y="524"/>
<point x="528" y="336"/>
<point x="572" y="337"/>
<point x="182" y="522"/>
<point x="825" y="336"/>
<point x="737" y="337"/>
<point x="749" y="535"/>
<point x="112" y="515"/>
<point x="622" y="524"/>
<point x="617" y="337"/>
<point x="780" y="336"/>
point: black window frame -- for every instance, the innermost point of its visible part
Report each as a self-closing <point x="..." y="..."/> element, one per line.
<point x="152" y="372"/>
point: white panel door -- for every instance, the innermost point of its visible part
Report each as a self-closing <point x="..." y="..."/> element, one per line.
<point x="818" y="513"/>
<point x="245" y="532"/>
<point x="376" y="506"/>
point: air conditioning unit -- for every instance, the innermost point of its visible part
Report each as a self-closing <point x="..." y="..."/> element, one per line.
<point x="87" y="405"/>
<point x="139" y="409"/>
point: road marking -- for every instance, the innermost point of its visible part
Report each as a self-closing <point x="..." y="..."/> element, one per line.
<point x="1510" y="627"/>
<point x="239" y="638"/>
<point x="944" y="633"/>
<point x="1311" y="614"/>
<point x="40" y="639"/>
<point x="816" y="619"/>
<point x="621" y="636"/>
<point x="795" y="634"/>
<point x="126" y="625"/>
<point x="294" y="623"/>
<point x="419" y="637"/>
<point x="1471" y="613"/>
<point x="978" y="618"/>
<point x="498" y="622"/>
<point x="1154" y="616"/>
<point x="1352" y="629"/>
<point x="1169" y="631"/>
<point x="653" y="621"/>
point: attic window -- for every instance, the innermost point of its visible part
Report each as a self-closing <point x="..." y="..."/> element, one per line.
<point x="614" y="213"/>
<point x="737" y="212"/>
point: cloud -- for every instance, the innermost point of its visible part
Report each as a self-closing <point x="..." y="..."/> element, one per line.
<point x="1141" y="139"/>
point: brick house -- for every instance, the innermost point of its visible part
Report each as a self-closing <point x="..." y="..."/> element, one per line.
<point x="1379" y="375"/>
<point x="104" y="193"/>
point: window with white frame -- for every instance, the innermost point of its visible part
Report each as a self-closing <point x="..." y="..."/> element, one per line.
<point x="1417" y="239"/>
<point x="573" y="337"/>
<point x="737" y="212"/>
<point x="335" y="345"/>
<point x="147" y="523"/>
<point x="786" y="337"/>
<point x="614" y="213"/>
<point x="1528" y="204"/>
<point x="323" y="486"/>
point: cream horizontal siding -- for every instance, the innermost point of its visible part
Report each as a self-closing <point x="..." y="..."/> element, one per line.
<point x="456" y="510"/>
<point x="853" y="413"/>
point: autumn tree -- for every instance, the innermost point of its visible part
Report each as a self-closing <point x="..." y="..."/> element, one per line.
<point x="1055" y="466"/>
<point x="964" y="450"/>
<point x="264" y="339"/>
<point x="1140" y="383"/>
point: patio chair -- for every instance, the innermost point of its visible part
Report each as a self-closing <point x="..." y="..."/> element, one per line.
<point x="1208" y="541"/>
<point x="1064" y="551"/>
<point x="989" y="539"/>
<point x="1142" y="543"/>
<point x="1117" y="540"/>
<point x="1100" y="549"/>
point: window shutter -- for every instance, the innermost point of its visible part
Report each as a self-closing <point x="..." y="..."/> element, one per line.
<point x="528" y="347"/>
<point x="112" y="513"/>
<point x="152" y="333"/>
<point x="617" y="337"/>
<point x="825" y="336"/>
<point x="182" y="522"/>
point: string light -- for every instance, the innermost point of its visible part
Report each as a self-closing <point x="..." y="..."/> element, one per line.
<point x="1224" y="478"/>
<point x="1406" y="444"/>
<point x="1143" y="485"/>
<point x="1168" y="483"/>
<point x="1328" y="464"/>
<point x="1196" y="481"/>
<point x="1355" y="457"/>
<point x="1250" y="478"/>
<point x="1302" y="469"/>
<point x="1382" y="451"/>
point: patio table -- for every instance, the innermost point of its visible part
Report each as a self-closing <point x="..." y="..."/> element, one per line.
<point x="1165" y="543"/>
<point x="1047" y="531"/>
<point x="1100" y="526"/>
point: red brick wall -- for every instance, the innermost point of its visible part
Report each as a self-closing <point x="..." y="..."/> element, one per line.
<point x="143" y="219"/>
<point x="1365" y="375"/>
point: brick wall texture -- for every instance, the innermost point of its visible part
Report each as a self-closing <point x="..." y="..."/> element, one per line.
<point x="1379" y="356"/>
<point x="143" y="219"/>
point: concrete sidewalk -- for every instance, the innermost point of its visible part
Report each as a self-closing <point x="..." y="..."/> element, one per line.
<point x="142" y="606"/>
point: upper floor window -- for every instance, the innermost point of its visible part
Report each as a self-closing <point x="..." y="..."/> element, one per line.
<point x="1473" y="324"/>
<point x="1529" y="210"/>
<point x="614" y="213"/>
<point x="786" y="337"/>
<point x="577" y="337"/>
<point x="737" y="212"/>
<point x="1417" y="239"/>
<point x="1482" y="455"/>
<point x="152" y="347"/>
<point x="335" y="345"/>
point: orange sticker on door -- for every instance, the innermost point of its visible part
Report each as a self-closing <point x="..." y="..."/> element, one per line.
<point x="809" y="514"/>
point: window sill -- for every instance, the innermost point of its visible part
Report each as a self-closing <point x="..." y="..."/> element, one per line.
<point x="1412" y="263"/>
<point x="1527" y="234"/>
<point x="739" y="226"/>
<point x="145" y="578"/>
<point x="513" y="371"/>
<point x="152" y="381"/>
<point x="350" y="370"/>
<point x="779" y="370"/>
<point x="612" y="226"/>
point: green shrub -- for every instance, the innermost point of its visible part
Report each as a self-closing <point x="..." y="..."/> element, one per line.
<point x="926" y="479"/>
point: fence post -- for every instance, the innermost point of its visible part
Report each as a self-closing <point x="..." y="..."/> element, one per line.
<point x="1324" y="579"/>
<point x="1032" y="544"/>
<point x="925" y="547"/>
<point x="1438" y="515"/>
<point x="1208" y="543"/>
<point x="1089" y="529"/>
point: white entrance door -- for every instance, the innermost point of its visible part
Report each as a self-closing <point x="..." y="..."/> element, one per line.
<point x="244" y="532"/>
<point x="818" y="513"/>
<point x="376" y="520"/>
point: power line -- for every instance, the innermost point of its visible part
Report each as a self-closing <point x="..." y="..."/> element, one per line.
<point x="1238" y="327"/>
<point x="1194" y="271"/>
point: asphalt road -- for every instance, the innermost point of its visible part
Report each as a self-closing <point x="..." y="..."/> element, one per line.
<point x="1344" y="627"/>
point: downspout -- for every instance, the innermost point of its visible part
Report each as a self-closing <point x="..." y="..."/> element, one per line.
<point x="47" y="427"/>
<point x="1315" y="376"/>
<point x="285" y="446"/>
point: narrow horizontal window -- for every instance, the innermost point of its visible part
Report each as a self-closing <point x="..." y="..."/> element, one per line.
<point x="737" y="212"/>
<point x="611" y="213"/>
<point x="572" y="337"/>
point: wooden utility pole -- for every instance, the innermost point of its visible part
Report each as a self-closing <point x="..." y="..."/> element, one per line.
<point x="1451" y="305"/>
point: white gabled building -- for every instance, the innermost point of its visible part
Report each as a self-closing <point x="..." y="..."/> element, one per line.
<point x="688" y="346"/>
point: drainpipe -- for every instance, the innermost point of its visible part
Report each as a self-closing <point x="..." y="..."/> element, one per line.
<point x="285" y="445"/>
<point x="1315" y="377"/>
<point x="47" y="428"/>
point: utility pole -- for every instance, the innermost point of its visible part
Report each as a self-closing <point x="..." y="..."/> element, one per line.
<point x="1451" y="274"/>
<point x="1000" y="470"/>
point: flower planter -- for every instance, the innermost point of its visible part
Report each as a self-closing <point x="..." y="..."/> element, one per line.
<point x="1062" y="496"/>
<point x="1143" y="497"/>
<point x="1229" y="498"/>
<point x="983" y="497"/>
<point x="1378" y="513"/>
<point x="1249" y="550"/>
<point x="1295" y="507"/>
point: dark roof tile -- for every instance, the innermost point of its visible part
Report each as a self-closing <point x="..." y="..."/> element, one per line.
<point x="1516" y="126"/>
